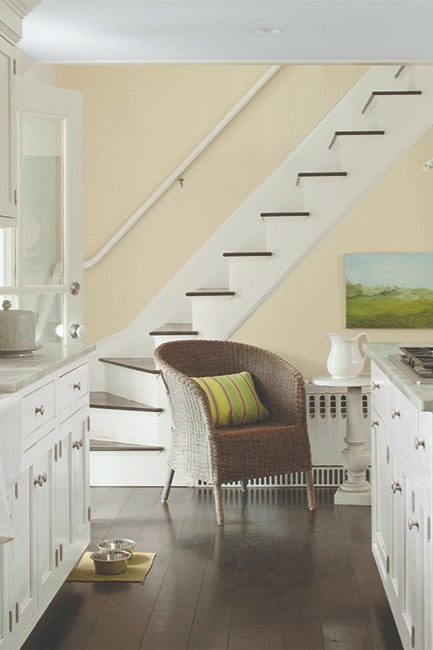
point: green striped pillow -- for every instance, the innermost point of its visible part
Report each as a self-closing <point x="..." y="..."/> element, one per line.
<point x="233" y="399"/>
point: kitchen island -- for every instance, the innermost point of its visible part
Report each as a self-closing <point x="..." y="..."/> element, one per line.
<point x="401" y="478"/>
<point x="44" y="422"/>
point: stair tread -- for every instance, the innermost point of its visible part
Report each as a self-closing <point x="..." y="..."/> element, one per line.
<point x="174" y="329"/>
<point x="318" y="175"/>
<point x="248" y="254"/>
<point x="142" y="364"/>
<point x="385" y="93"/>
<point x="285" y="214"/>
<point x="112" y="445"/>
<point x="366" y="132"/>
<point x="104" y="400"/>
<point x="210" y="292"/>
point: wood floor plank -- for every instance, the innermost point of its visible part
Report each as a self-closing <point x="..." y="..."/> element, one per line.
<point x="134" y="605"/>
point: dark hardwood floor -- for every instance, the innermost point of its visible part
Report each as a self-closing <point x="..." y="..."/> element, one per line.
<point x="275" y="577"/>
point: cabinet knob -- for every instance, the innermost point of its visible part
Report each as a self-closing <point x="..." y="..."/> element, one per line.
<point x="77" y="386"/>
<point x="39" y="409"/>
<point x="77" y="444"/>
<point x="375" y="385"/>
<point x="418" y="443"/>
<point x="395" y="414"/>
<point x="412" y="523"/>
<point x="374" y="423"/>
<point x="39" y="481"/>
<point x="395" y="487"/>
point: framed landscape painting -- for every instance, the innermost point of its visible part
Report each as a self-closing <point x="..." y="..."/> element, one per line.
<point x="389" y="290"/>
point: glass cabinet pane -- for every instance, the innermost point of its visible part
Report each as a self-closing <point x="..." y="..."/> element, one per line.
<point x="42" y="191"/>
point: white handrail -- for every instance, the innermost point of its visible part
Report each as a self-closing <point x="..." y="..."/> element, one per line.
<point x="106" y="248"/>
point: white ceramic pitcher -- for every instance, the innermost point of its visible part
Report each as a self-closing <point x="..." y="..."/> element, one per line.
<point x="345" y="359"/>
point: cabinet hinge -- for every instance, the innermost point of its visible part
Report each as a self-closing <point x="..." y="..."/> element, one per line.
<point x="387" y="564"/>
<point x="428" y="529"/>
<point x="88" y="513"/>
<point x="412" y="636"/>
<point x="88" y="423"/>
<point x="14" y="66"/>
<point x="16" y="490"/>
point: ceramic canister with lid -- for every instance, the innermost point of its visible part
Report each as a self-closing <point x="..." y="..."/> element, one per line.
<point x="17" y="329"/>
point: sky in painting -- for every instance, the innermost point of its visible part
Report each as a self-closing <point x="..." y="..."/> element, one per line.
<point x="409" y="270"/>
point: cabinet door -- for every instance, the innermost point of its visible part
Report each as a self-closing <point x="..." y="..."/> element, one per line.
<point x="397" y="488"/>
<point x="382" y="496"/>
<point x="43" y="522"/>
<point x="80" y="512"/>
<point x="62" y="508"/>
<point x="8" y="208"/>
<point x="22" y="589"/>
<point x="5" y="612"/>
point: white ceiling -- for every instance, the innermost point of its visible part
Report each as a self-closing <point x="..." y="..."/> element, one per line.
<point x="223" y="30"/>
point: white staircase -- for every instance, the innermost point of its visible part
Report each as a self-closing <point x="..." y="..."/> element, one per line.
<point x="346" y="154"/>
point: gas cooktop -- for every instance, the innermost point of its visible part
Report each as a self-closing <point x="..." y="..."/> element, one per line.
<point x="416" y="362"/>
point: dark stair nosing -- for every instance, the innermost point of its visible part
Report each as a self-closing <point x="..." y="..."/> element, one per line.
<point x="248" y="254"/>
<point x="389" y="93"/>
<point x="284" y="214"/>
<point x="142" y="364"/>
<point x="104" y="400"/>
<point x="319" y="175"/>
<point x="174" y="329"/>
<point x="209" y="292"/>
<point x="112" y="445"/>
<point x="338" y="133"/>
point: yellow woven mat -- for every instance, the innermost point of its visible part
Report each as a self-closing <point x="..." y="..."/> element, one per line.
<point x="138" y="567"/>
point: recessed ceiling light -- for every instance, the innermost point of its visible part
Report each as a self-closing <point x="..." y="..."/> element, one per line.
<point x="273" y="31"/>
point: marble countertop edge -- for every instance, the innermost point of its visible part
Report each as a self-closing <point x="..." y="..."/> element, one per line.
<point x="18" y="372"/>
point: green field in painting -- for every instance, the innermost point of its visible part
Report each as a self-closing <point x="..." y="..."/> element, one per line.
<point x="399" y="308"/>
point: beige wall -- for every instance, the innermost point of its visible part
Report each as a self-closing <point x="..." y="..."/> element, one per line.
<point x="141" y="121"/>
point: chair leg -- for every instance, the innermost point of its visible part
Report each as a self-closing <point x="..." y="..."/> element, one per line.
<point x="167" y="486"/>
<point x="310" y="490"/>
<point x="244" y="486"/>
<point x="218" y="495"/>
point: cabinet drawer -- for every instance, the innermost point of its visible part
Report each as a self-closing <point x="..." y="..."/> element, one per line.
<point x="379" y="390"/>
<point x="72" y="386"/>
<point x="38" y="408"/>
<point x="423" y="444"/>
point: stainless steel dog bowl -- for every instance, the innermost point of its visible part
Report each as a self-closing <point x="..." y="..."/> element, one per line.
<point x="117" y="545"/>
<point x="110" y="563"/>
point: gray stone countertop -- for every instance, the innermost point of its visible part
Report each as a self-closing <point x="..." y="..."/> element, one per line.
<point x="19" y="372"/>
<point x="420" y="396"/>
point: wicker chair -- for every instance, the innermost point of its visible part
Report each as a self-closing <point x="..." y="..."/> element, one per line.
<point x="222" y="455"/>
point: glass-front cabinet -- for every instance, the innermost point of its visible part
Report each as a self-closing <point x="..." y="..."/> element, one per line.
<point x="41" y="266"/>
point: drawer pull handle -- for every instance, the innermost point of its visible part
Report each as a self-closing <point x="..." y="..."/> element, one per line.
<point x="77" y="444"/>
<point x="39" y="481"/>
<point x="395" y="487"/>
<point x="375" y="423"/>
<point x="395" y="414"/>
<point x="77" y="386"/>
<point x="412" y="523"/>
<point x="39" y="409"/>
<point x="418" y="443"/>
<point x="375" y="385"/>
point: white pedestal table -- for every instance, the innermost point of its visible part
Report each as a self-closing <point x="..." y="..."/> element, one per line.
<point x="355" y="457"/>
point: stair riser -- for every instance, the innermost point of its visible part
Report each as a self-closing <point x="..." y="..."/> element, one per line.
<point x="132" y="384"/>
<point x="139" y="428"/>
<point x="131" y="468"/>
<point x="159" y="340"/>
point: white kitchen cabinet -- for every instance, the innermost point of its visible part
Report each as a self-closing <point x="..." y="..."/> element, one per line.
<point x="402" y="507"/>
<point x="8" y="144"/>
<point x="49" y="504"/>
